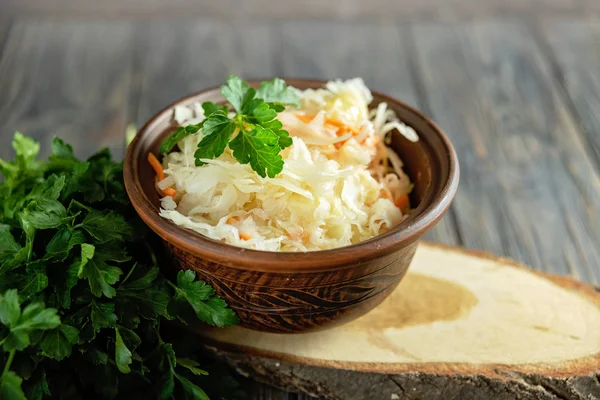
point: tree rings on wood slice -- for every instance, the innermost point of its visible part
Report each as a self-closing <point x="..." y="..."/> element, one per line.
<point x="461" y="325"/>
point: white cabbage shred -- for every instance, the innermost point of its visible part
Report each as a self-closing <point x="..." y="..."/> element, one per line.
<point x="333" y="190"/>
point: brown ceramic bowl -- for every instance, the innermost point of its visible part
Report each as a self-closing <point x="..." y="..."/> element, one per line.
<point x="294" y="292"/>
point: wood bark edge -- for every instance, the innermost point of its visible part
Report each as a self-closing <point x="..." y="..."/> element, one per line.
<point x="572" y="379"/>
<point x="499" y="383"/>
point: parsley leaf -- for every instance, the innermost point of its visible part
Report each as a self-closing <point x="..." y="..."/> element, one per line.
<point x="143" y="282"/>
<point x="99" y="274"/>
<point x="151" y="303"/>
<point x="8" y="245"/>
<point x="123" y="355"/>
<point x="177" y="136"/>
<point x="10" y="387"/>
<point x="67" y="240"/>
<point x="260" y="148"/>
<point x="103" y="315"/>
<point x="263" y="113"/>
<point x="62" y="243"/>
<point x="191" y="365"/>
<point x="239" y="94"/>
<point x="104" y="226"/>
<point x="200" y="296"/>
<point x="44" y="213"/>
<point x="58" y="342"/>
<point x="21" y="326"/>
<point x="10" y="310"/>
<point x="258" y="136"/>
<point x="191" y="391"/>
<point x="68" y="278"/>
<point x="193" y="292"/>
<point x="37" y="385"/>
<point x="30" y="284"/>
<point x="26" y="150"/>
<point x="276" y="91"/>
<point x="209" y="107"/>
<point x="166" y="383"/>
<point x="217" y="132"/>
<point x="61" y="150"/>
<point x="265" y="116"/>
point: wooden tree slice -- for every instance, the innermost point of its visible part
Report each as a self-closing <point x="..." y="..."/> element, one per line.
<point x="462" y="325"/>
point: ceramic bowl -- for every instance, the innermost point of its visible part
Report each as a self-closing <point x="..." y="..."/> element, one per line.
<point x="297" y="292"/>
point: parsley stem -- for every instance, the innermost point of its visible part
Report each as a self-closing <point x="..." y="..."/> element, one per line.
<point x="172" y="285"/>
<point x="11" y="355"/>
<point x="160" y="341"/>
<point x="151" y="252"/>
<point x="128" y="274"/>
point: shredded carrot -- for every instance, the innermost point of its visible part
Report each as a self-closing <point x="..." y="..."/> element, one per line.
<point x="384" y="194"/>
<point x="232" y="220"/>
<point x="160" y="174"/>
<point x="342" y="127"/>
<point x="169" y="192"/>
<point x="305" y="118"/>
<point x="339" y="124"/>
<point x="402" y="201"/>
<point x="243" y="236"/>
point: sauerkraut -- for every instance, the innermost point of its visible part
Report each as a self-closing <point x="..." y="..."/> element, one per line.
<point x="339" y="185"/>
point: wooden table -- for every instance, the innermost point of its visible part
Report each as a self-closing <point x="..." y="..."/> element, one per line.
<point x="518" y="96"/>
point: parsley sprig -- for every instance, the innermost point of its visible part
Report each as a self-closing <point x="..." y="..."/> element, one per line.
<point x="258" y="137"/>
<point x="82" y="298"/>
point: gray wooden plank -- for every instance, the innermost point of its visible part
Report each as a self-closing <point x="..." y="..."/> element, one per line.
<point x="342" y="50"/>
<point x="573" y="49"/>
<point x="314" y="9"/>
<point x="376" y="52"/>
<point x="175" y="59"/>
<point x="528" y="189"/>
<point x="66" y="79"/>
<point x="5" y="25"/>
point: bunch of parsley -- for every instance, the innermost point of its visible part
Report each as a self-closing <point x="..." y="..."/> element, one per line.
<point x="258" y="137"/>
<point x="81" y="296"/>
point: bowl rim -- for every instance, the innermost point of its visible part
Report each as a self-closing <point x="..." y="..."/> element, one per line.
<point x="402" y="235"/>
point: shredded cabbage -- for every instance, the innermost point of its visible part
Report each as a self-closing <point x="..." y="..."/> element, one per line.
<point x="339" y="184"/>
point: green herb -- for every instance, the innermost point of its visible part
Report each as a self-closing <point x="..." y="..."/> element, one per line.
<point x="258" y="137"/>
<point x="82" y="298"/>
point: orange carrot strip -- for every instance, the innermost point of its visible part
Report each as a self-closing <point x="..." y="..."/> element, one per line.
<point x="243" y="236"/>
<point x="160" y="174"/>
<point x="335" y="122"/>
<point x="305" y="118"/>
<point x="402" y="201"/>
<point x="156" y="166"/>
<point x="342" y="128"/>
<point x="169" y="192"/>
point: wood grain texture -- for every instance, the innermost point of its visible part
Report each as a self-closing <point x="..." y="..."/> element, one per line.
<point x="312" y="9"/>
<point x="66" y="79"/>
<point x="528" y="189"/>
<point x="573" y="53"/>
<point x="467" y="298"/>
<point x="5" y="25"/>
<point x="176" y="59"/>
